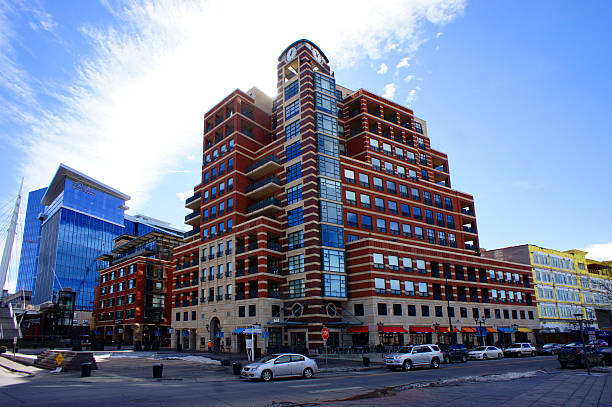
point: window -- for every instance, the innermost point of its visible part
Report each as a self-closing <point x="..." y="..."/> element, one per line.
<point x="292" y="109"/>
<point x="351" y="219"/>
<point x="332" y="236"/>
<point x="324" y="83"/>
<point x="405" y="210"/>
<point x="252" y="310"/>
<point x="411" y="310"/>
<point x="382" y="309"/>
<point x="329" y="167"/>
<point x="292" y="130"/>
<point x="425" y="175"/>
<point x="241" y="311"/>
<point x="358" y="310"/>
<point x="406" y="232"/>
<point x="376" y="164"/>
<point x="416" y="213"/>
<point x="330" y="189"/>
<point x="364" y="180"/>
<point x="349" y="176"/>
<point x="297" y="288"/>
<point x="381" y="225"/>
<point x="394" y="228"/>
<point x="365" y="201"/>
<point x="463" y="312"/>
<point x="294" y="194"/>
<point x="374" y="145"/>
<point x="379" y="261"/>
<point x="418" y="232"/>
<point x="392" y="205"/>
<point x="423" y="290"/>
<point x="409" y="287"/>
<point x="328" y="145"/>
<point x="331" y="212"/>
<point x="378" y="184"/>
<point x="389" y="168"/>
<point x="506" y="314"/>
<point x="292" y="89"/>
<point x="351" y="199"/>
<point x="448" y="203"/>
<point x="296" y="264"/>
<point x="326" y="103"/>
<point x="397" y="309"/>
<point x="425" y="310"/>
<point x="391" y="187"/>
<point x="427" y="197"/>
<point x="293" y="151"/>
<point x="326" y="124"/>
<point x="475" y="313"/>
<point x="295" y="240"/>
<point x="333" y="260"/>
<point x="334" y="285"/>
<point x="379" y="204"/>
<point x="177" y="317"/>
<point x="294" y="172"/>
<point x="295" y="216"/>
<point x="380" y="286"/>
<point x="421" y="268"/>
<point x="366" y="222"/>
<point x="438" y="310"/>
<point x="415" y="194"/>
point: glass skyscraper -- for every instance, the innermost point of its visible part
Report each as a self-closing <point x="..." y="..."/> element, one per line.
<point x="28" y="262"/>
<point x="82" y="216"/>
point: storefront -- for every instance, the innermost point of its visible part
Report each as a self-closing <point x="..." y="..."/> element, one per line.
<point x="421" y="334"/>
<point x="360" y="335"/>
<point x="468" y="336"/>
<point x="389" y="335"/>
<point x="444" y="336"/>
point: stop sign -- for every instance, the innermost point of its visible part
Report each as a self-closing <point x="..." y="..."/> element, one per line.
<point x="325" y="333"/>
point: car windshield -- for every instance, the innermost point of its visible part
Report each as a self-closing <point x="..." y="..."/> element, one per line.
<point x="267" y="358"/>
<point x="480" y="349"/>
<point x="405" y="349"/>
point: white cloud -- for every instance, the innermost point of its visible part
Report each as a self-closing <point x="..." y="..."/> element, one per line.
<point x="599" y="251"/>
<point x="383" y="69"/>
<point x="404" y="63"/>
<point x="409" y="78"/>
<point x="389" y="91"/>
<point x="184" y="195"/>
<point x="142" y="94"/>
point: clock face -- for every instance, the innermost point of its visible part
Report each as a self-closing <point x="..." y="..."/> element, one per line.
<point x="291" y="54"/>
<point x="317" y="55"/>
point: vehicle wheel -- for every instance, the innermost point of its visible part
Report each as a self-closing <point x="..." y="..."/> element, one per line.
<point x="563" y="365"/>
<point x="484" y="356"/>
<point x="519" y="355"/>
<point x="463" y="358"/>
<point x="499" y="356"/>
<point x="447" y="360"/>
<point x="266" y="375"/>
<point x="308" y="373"/>
<point x="533" y="354"/>
<point x="408" y="365"/>
<point x="435" y="363"/>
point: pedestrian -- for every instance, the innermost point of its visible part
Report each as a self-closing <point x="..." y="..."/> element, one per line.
<point x="209" y="346"/>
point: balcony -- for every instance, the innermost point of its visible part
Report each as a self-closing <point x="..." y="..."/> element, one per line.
<point x="263" y="167"/>
<point x="253" y="294"/>
<point x="469" y="229"/>
<point x="274" y="246"/>
<point x="228" y="296"/>
<point x="193" y="202"/>
<point x="264" y="187"/>
<point x="240" y="296"/>
<point x="265" y="207"/>
<point x="275" y="294"/>
<point x="193" y="218"/>
<point x="240" y="272"/>
<point x="195" y="231"/>
<point x="274" y="270"/>
<point x="252" y="270"/>
<point x="467" y="211"/>
<point x="211" y="298"/>
<point x="220" y="297"/>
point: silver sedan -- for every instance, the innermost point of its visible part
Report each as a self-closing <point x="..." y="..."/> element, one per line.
<point x="280" y="365"/>
<point x="486" y="352"/>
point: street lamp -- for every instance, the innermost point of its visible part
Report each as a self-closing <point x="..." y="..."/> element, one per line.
<point x="581" y="321"/>
<point x="451" y="332"/>
<point x="436" y="326"/>
<point x="479" y="323"/>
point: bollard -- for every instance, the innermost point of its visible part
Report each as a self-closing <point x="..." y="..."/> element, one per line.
<point x="86" y="369"/>
<point x="237" y="368"/>
<point x="157" y="371"/>
<point x="366" y="361"/>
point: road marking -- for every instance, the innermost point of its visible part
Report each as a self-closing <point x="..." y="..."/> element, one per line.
<point x="306" y="385"/>
<point x="336" y="389"/>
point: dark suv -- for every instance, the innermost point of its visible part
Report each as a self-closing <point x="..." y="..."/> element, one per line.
<point x="454" y="353"/>
<point x="579" y="357"/>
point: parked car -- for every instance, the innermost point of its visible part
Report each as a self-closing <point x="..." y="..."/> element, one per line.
<point x="280" y="365"/>
<point x="456" y="352"/>
<point x="599" y="343"/>
<point x="579" y="357"/>
<point x="486" y="352"/>
<point x="550" y="349"/>
<point x="607" y="355"/>
<point x="410" y="357"/>
<point x="520" y="349"/>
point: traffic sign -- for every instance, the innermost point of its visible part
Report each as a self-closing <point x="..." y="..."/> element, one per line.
<point x="325" y="333"/>
<point x="59" y="359"/>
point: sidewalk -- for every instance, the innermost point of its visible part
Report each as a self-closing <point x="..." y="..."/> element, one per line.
<point x="564" y="388"/>
<point x="16" y="367"/>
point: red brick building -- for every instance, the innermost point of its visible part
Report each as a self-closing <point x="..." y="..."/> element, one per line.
<point x="313" y="207"/>
<point x="134" y="295"/>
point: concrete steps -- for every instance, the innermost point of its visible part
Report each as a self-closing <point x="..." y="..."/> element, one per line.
<point x="72" y="360"/>
<point x="8" y="330"/>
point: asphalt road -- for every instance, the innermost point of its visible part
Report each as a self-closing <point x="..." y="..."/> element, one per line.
<point x="128" y="382"/>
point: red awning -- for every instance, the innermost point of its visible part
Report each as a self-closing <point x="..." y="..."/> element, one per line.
<point x="421" y="329"/>
<point x="443" y="329"/>
<point x="391" y="329"/>
<point x="357" y="329"/>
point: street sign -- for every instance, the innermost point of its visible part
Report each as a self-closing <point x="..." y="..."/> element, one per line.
<point x="59" y="359"/>
<point x="325" y="333"/>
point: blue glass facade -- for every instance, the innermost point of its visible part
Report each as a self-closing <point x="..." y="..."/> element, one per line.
<point x="28" y="263"/>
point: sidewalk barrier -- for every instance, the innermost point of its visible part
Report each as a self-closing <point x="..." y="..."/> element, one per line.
<point x="237" y="368"/>
<point x="86" y="369"/>
<point x="158" y="371"/>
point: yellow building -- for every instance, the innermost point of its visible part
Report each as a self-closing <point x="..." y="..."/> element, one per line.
<point x="564" y="285"/>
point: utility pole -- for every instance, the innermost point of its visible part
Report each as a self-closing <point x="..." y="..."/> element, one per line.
<point x="581" y="321"/>
<point x="10" y="239"/>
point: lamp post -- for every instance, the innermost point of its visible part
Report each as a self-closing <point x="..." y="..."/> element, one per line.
<point x="451" y="332"/>
<point x="381" y="326"/>
<point x="479" y="323"/>
<point x="581" y="321"/>
<point x="436" y="326"/>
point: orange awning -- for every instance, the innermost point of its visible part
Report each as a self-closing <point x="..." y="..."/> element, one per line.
<point x="468" y="330"/>
<point x="491" y="330"/>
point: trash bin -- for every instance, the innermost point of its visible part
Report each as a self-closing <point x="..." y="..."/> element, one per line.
<point x="157" y="371"/>
<point x="366" y="361"/>
<point x="237" y="368"/>
<point x="179" y="347"/>
<point x="86" y="369"/>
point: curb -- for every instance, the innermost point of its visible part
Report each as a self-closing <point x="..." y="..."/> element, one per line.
<point x="11" y="369"/>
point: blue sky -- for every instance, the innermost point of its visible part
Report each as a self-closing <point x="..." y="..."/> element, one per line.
<point x="516" y="94"/>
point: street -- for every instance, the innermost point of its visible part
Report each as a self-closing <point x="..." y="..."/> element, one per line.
<point x="128" y="381"/>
